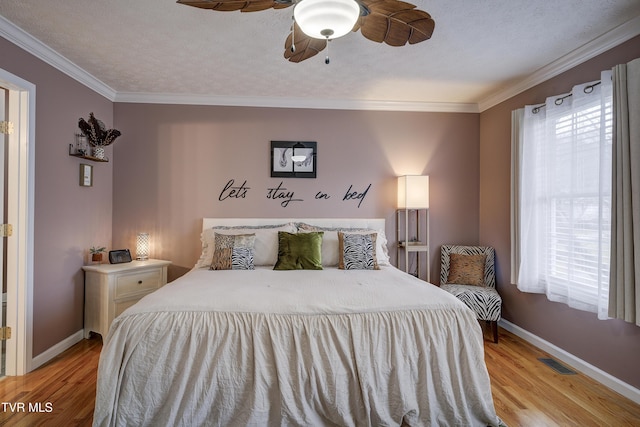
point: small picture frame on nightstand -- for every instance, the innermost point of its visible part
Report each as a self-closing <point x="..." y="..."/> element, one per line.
<point x="86" y="175"/>
<point x="119" y="256"/>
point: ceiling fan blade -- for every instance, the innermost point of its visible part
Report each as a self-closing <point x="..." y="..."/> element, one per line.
<point x="395" y="23"/>
<point x="305" y="46"/>
<point x="241" y="5"/>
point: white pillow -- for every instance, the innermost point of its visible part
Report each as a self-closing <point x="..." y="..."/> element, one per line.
<point x="265" y="247"/>
<point x="330" y="250"/>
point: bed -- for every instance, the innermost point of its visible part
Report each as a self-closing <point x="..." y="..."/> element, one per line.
<point x="313" y="347"/>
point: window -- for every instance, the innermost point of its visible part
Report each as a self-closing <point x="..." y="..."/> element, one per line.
<point x="564" y="197"/>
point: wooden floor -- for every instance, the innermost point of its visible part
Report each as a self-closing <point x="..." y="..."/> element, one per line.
<point x="526" y="392"/>
<point x="63" y="390"/>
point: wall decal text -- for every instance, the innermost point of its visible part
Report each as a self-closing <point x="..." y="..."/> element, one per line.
<point x="279" y="193"/>
<point x="355" y="195"/>
<point x="234" y="192"/>
<point x="285" y="195"/>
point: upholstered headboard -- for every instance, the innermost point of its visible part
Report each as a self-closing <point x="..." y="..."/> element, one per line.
<point x="373" y="223"/>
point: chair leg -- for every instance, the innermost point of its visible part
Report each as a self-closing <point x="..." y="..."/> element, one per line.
<point x="494" y="330"/>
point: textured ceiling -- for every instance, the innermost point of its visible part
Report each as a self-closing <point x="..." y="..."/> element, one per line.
<point x="160" y="48"/>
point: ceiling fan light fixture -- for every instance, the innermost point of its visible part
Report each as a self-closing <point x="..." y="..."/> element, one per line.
<point x="326" y="19"/>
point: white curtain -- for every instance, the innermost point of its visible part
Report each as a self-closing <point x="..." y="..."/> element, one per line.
<point x="624" y="300"/>
<point x="564" y="204"/>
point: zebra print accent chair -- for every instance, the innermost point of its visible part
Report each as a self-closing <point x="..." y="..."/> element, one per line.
<point x="483" y="300"/>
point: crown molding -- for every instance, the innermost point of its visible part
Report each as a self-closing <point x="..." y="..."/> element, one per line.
<point x="27" y="42"/>
<point x="613" y="38"/>
<point x="30" y="44"/>
<point x="605" y="42"/>
<point x="278" y="102"/>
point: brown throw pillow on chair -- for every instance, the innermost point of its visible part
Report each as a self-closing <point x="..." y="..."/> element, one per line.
<point x="466" y="269"/>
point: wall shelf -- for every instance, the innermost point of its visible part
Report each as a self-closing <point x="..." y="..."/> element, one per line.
<point x="85" y="156"/>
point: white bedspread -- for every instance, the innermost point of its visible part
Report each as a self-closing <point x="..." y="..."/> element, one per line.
<point x="295" y="348"/>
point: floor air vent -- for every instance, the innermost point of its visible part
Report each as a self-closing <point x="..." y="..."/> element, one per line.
<point x="557" y="366"/>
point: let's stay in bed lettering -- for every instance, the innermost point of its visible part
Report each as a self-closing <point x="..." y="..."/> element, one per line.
<point x="285" y="196"/>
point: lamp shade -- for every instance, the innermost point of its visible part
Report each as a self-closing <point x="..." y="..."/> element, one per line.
<point x="413" y="192"/>
<point x="326" y="19"/>
<point x="142" y="246"/>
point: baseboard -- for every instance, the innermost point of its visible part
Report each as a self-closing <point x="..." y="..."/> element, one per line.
<point x="589" y="370"/>
<point x="55" y="350"/>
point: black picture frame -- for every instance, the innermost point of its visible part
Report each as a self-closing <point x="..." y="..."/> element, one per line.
<point x="282" y="165"/>
<point x="119" y="256"/>
<point x="86" y="175"/>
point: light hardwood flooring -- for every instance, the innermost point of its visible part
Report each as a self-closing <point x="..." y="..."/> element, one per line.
<point x="526" y="392"/>
<point x="66" y="387"/>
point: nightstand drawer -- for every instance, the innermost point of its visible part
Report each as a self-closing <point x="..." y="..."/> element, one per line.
<point x="135" y="283"/>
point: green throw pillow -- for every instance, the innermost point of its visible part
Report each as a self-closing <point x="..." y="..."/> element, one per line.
<point x="301" y="251"/>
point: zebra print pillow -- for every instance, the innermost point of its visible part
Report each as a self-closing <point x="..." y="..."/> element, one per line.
<point x="233" y="252"/>
<point x="357" y="251"/>
<point x="265" y="248"/>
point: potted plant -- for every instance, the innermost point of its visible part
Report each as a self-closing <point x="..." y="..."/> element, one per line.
<point x="97" y="134"/>
<point x="96" y="253"/>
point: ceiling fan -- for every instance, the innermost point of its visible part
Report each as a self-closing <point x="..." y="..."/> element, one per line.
<point x="316" y="22"/>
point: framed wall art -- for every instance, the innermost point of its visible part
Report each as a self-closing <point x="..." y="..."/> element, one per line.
<point x="119" y="256"/>
<point x="86" y="175"/>
<point x="293" y="159"/>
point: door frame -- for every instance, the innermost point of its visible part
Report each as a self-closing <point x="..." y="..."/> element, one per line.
<point x="20" y="213"/>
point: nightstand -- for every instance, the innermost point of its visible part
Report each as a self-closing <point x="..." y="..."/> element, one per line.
<point x="109" y="289"/>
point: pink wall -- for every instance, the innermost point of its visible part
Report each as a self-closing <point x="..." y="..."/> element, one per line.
<point x="174" y="160"/>
<point x="68" y="218"/>
<point x="611" y="345"/>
